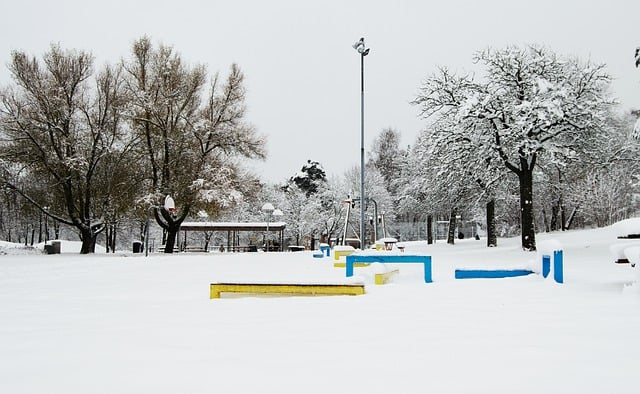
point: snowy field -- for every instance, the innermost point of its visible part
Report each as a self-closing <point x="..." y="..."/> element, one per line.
<point x="128" y="324"/>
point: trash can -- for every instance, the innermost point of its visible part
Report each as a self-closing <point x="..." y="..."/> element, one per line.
<point x="137" y="247"/>
<point x="253" y="248"/>
<point x="52" y="247"/>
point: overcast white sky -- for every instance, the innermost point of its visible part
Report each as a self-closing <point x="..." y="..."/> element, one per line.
<point x="303" y="76"/>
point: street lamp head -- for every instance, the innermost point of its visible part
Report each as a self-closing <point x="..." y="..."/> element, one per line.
<point x="360" y="47"/>
<point x="268" y="208"/>
<point x="277" y="212"/>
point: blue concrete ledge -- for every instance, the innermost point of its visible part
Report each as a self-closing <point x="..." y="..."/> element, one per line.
<point x="477" y="274"/>
<point x="391" y="258"/>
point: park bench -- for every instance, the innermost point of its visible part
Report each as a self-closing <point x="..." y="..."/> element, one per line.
<point x="194" y="248"/>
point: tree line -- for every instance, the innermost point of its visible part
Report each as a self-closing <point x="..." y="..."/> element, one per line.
<point x="534" y="142"/>
<point x="89" y="148"/>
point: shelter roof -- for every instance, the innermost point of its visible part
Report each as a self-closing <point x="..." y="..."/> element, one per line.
<point x="232" y="226"/>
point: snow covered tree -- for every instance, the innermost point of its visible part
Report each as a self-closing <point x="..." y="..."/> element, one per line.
<point x="603" y="184"/>
<point x="192" y="140"/>
<point x="375" y="191"/>
<point x="302" y="213"/>
<point x="387" y="156"/>
<point x="331" y="208"/>
<point x="636" y="128"/>
<point x="310" y="202"/>
<point x="61" y="129"/>
<point x="531" y="101"/>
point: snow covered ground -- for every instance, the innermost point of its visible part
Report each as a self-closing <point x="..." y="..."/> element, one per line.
<point x="128" y="324"/>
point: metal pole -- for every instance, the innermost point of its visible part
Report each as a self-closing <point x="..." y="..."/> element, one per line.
<point x="346" y="223"/>
<point x="362" y="194"/>
<point x="375" y="223"/>
<point x="146" y="231"/>
<point x="146" y="234"/>
<point x="268" y="217"/>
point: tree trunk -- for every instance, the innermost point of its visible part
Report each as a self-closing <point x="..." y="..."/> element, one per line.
<point x="567" y="226"/>
<point x="429" y="229"/>
<point x="207" y="239"/>
<point x="546" y="221"/>
<point x="40" y="230"/>
<point x="170" y="240"/>
<point x="170" y="226"/>
<point x="107" y="236"/>
<point x="554" y="217"/>
<point x="492" y="237"/>
<point x="451" y="236"/>
<point x="114" y="232"/>
<point x="528" y="234"/>
<point x="88" y="241"/>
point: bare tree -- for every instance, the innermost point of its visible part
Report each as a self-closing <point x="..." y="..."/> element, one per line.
<point x="191" y="140"/>
<point x="387" y="157"/>
<point x="60" y="129"/>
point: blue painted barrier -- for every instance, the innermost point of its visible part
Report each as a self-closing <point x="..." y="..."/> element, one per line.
<point x="546" y="265"/>
<point x="480" y="274"/>
<point x="391" y="259"/>
<point x="325" y="249"/>
<point x="558" y="274"/>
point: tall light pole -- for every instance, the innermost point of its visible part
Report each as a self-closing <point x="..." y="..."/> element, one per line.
<point x="268" y="209"/>
<point x="363" y="51"/>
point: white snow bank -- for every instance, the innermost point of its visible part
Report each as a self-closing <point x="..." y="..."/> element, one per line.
<point x="136" y="324"/>
<point x="627" y="227"/>
<point x="633" y="255"/>
<point x="548" y="247"/>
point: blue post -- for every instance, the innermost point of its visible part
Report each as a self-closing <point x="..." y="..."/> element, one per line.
<point x="557" y="266"/>
<point x="325" y="249"/>
<point x="546" y="265"/>
<point x="349" y="265"/>
<point x="427" y="270"/>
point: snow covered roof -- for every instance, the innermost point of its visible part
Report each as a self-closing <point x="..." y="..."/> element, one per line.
<point x="232" y="226"/>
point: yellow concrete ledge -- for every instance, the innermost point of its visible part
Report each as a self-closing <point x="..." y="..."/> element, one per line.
<point x="342" y="264"/>
<point x="337" y="254"/>
<point x="268" y="288"/>
<point x="384" y="277"/>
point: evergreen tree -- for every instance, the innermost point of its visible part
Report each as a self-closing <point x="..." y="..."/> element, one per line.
<point x="310" y="177"/>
